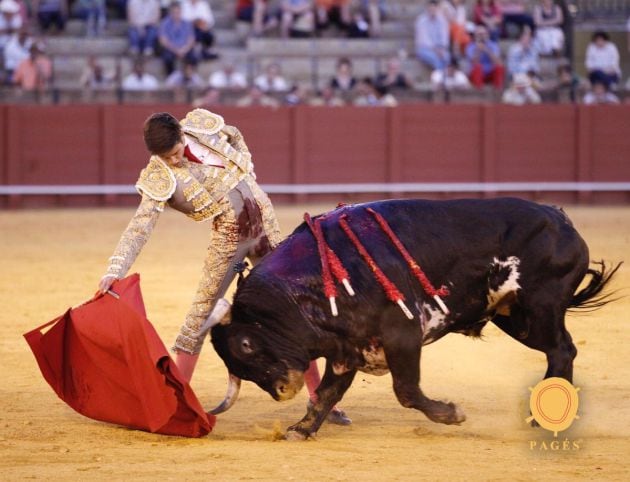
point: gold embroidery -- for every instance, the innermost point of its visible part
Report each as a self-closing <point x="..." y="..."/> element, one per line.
<point x="156" y="180"/>
<point x="135" y="236"/>
<point x="202" y="122"/>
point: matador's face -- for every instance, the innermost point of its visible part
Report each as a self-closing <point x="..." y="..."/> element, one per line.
<point x="175" y="156"/>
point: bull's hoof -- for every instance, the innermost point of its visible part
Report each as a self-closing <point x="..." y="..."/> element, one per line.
<point x="447" y="413"/>
<point x="338" y="417"/>
<point x="296" y="436"/>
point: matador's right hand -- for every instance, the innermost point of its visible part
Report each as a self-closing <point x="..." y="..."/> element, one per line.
<point x="106" y="283"/>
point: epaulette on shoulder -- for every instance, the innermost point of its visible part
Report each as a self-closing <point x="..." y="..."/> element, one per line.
<point x="202" y="122"/>
<point x="156" y="180"/>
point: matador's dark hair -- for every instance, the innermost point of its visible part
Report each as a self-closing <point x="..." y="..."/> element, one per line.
<point x="161" y="132"/>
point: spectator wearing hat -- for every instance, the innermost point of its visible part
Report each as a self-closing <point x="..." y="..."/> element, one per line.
<point x="34" y="72"/>
<point x="521" y="91"/>
<point x="51" y="12"/>
<point x="602" y="60"/>
<point x="432" y="37"/>
<point x="143" y="17"/>
<point x="10" y="20"/>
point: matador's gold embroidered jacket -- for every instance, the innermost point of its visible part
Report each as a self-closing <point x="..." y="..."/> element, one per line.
<point x="197" y="190"/>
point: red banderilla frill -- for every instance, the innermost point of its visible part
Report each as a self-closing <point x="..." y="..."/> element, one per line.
<point x="329" y="261"/>
<point x="415" y="269"/>
<point x="392" y="293"/>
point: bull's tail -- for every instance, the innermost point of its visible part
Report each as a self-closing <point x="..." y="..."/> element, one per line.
<point x="593" y="296"/>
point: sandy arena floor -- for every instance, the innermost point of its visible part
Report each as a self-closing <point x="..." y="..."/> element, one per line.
<point x="52" y="259"/>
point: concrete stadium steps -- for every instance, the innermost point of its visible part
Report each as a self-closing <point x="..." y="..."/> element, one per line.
<point x="114" y="46"/>
<point x="328" y="47"/>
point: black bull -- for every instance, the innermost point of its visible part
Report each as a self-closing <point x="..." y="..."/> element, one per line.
<point x="509" y="261"/>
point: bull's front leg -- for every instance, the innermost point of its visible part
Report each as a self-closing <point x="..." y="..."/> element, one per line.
<point x="329" y="393"/>
<point x="402" y="351"/>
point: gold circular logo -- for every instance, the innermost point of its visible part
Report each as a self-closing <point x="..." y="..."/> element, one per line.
<point x="554" y="404"/>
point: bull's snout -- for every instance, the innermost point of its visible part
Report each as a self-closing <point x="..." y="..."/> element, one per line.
<point x="288" y="388"/>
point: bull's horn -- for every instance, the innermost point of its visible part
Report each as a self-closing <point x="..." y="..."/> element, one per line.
<point x="216" y="316"/>
<point x="234" y="385"/>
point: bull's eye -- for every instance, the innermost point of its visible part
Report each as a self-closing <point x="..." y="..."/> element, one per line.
<point x="246" y="346"/>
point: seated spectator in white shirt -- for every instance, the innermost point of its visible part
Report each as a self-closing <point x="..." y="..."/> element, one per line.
<point x="227" y="78"/>
<point x="451" y="78"/>
<point x="602" y="60"/>
<point x="10" y="20"/>
<point x="271" y="80"/>
<point x="139" y="79"/>
<point x="185" y="77"/>
<point x="16" y="49"/>
<point x="599" y="94"/>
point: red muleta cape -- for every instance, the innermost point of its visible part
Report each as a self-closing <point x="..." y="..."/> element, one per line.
<point x="106" y="361"/>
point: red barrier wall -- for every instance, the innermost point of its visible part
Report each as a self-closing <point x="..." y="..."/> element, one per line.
<point x="97" y="144"/>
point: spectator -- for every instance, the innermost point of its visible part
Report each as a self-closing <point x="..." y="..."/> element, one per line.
<point x="369" y="95"/>
<point x="34" y="72"/>
<point x="327" y="97"/>
<point x="602" y="60"/>
<point x="432" y="37"/>
<point x="227" y="78"/>
<point x="10" y="21"/>
<point x="359" y="26"/>
<point x="343" y="80"/>
<point x="199" y="13"/>
<point x="455" y="13"/>
<point x="16" y="50"/>
<point x="449" y="79"/>
<point x="333" y="11"/>
<point x="177" y="38"/>
<point x="298" y="19"/>
<point x="210" y="98"/>
<point x="139" y="79"/>
<point x="297" y="95"/>
<point x="374" y="11"/>
<point x="51" y="12"/>
<point x="271" y="80"/>
<point x="515" y="13"/>
<point x="93" y="12"/>
<point x="143" y="17"/>
<point x="484" y="57"/>
<point x="523" y="55"/>
<point x="94" y="75"/>
<point x="185" y="77"/>
<point x="600" y="94"/>
<point x="256" y="97"/>
<point x="521" y="91"/>
<point x="393" y="77"/>
<point x="488" y="14"/>
<point x="258" y="13"/>
<point x="549" y="35"/>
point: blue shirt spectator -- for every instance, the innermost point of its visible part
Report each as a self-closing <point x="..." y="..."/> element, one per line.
<point x="432" y="37"/>
<point x="177" y="38"/>
<point x="523" y="56"/>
